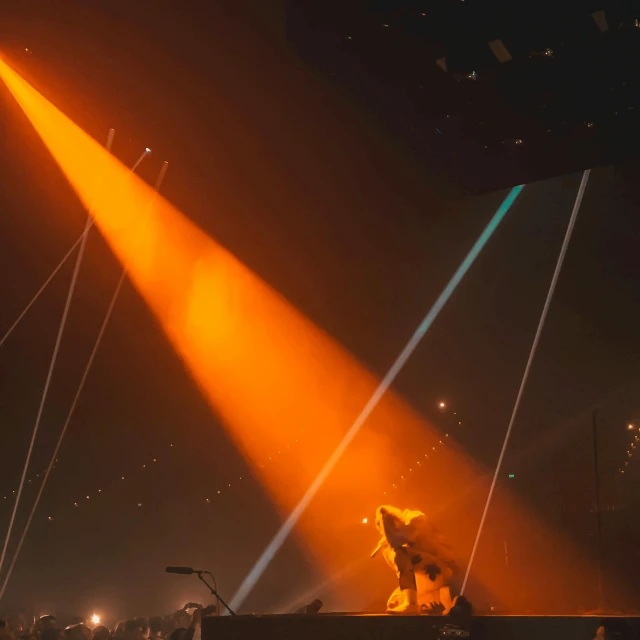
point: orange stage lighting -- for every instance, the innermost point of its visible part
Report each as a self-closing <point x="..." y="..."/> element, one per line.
<point x="274" y="378"/>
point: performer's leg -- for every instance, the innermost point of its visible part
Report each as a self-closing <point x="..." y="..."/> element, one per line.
<point x="405" y="572"/>
<point x="405" y="598"/>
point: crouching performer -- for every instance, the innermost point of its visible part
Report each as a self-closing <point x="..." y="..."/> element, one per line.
<point x="424" y="563"/>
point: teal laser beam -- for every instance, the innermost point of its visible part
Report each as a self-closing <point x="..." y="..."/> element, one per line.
<point x="287" y="526"/>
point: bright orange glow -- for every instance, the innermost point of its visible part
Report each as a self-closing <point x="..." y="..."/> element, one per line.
<point x="274" y="377"/>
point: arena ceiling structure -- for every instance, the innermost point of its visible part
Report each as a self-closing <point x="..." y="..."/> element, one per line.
<point x="487" y="94"/>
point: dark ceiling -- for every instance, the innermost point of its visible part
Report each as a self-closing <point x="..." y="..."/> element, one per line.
<point x="487" y="94"/>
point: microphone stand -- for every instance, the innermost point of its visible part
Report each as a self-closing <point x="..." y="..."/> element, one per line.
<point x="214" y="592"/>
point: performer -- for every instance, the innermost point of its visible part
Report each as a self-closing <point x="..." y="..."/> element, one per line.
<point x="422" y="560"/>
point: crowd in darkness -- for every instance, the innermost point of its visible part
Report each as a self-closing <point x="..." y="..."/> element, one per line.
<point x="178" y="626"/>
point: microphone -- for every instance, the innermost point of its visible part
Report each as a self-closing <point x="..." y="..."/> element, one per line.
<point x="184" y="570"/>
<point x="189" y="570"/>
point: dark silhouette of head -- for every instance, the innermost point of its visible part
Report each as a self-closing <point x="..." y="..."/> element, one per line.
<point x="100" y="633"/>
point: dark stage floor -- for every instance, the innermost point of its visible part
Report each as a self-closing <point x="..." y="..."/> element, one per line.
<point x="383" y="627"/>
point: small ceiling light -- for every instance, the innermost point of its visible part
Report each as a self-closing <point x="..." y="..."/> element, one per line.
<point x="543" y="53"/>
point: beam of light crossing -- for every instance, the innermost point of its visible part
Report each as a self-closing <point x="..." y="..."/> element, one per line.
<point x="92" y="356"/>
<point x="272" y="549"/>
<point x="67" y="255"/>
<point x="52" y="364"/>
<point x="527" y="369"/>
<point x="41" y="289"/>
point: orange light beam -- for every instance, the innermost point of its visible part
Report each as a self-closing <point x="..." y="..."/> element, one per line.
<point x="267" y="370"/>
